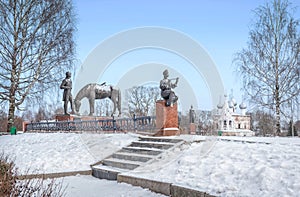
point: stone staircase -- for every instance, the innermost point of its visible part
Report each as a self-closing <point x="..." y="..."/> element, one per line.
<point x="138" y="153"/>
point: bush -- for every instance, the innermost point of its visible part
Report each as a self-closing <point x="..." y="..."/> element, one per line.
<point x="7" y="176"/>
<point x="11" y="186"/>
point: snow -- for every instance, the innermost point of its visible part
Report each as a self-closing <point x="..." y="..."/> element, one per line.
<point x="79" y="186"/>
<point x="222" y="166"/>
<point x="61" y="152"/>
<point x="229" y="168"/>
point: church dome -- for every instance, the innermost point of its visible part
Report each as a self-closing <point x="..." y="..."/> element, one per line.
<point x="233" y="101"/>
<point x="243" y="105"/>
<point x="220" y="106"/>
<point x="230" y="104"/>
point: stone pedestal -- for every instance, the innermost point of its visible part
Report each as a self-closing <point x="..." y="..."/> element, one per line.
<point x="192" y="128"/>
<point x="24" y="125"/>
<point x="73" y="117"/>
<point x="63" y="117"/>
<point x="166" y="119"/>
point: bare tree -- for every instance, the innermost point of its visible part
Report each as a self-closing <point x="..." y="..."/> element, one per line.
<point x="3" y="121"/>
<point x="36" y="44"/>
<point x="11" y="184"/>
<point x="205" y="122"/>
<point x="104" y="107"/>
<point x="142" y="100"/>
<point x="269" y="65"/>
<point x="263" y="123"/>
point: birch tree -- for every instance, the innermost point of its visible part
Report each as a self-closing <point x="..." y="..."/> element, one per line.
<point x="269" y="65"/>
<point x="36" y="46"/>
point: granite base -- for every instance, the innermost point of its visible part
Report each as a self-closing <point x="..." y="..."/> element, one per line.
<point x="166" y="119"/>
<point x="192" y="128"/>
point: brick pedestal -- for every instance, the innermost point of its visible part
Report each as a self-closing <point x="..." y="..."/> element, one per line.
<point x="166" y="119"/>
<point x="192" y="128"/>
<point x="63" y="117"/>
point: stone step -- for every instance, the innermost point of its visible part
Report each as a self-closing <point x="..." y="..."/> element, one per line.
<point x="152" y="144"/>
<point x="120" y="163"/>
<point x="136" y="154"/>
<point x="156" y="139"/>
<point x="131" y="156"/>
<point x="106" y="172"/>
<point x="145" y="151"/>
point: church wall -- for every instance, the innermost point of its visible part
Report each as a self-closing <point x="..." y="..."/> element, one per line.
<point x="242" y="122"/>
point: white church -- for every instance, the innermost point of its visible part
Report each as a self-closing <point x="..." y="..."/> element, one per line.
<point x="227" y="122"/>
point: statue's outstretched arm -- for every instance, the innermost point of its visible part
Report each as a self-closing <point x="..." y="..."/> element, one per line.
<point x="175" y="84"/>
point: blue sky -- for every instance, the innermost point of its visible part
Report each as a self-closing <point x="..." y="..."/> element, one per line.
<point x="221" y="27"/>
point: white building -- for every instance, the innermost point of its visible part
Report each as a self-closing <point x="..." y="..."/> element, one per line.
<point x="228" y="122"/>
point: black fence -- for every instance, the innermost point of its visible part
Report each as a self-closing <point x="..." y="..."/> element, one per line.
<point x="145" y="123"/>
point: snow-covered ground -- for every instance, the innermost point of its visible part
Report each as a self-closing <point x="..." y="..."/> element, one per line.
<point x="229" y="168"/>
<point x="61" y="152"/>
<point x="88" y="186"/>
<point x="222" y="166"/>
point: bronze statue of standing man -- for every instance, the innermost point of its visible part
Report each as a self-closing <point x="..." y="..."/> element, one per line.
<point x="67" y="96"/>
<point x="192" y="115"/>
<point x="166" y="87"/>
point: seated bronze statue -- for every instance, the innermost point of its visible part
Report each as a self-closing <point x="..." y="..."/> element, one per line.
<point x="166" y="87"/>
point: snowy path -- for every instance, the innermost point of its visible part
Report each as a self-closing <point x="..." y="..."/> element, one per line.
<point x="78" y="186"/>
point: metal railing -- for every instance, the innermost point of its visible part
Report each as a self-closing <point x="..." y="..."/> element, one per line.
<point x="145" y="123"/>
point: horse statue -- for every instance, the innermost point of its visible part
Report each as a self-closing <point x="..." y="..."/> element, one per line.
<point x="94" y="91"/>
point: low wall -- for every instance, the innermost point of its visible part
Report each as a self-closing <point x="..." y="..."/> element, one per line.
<point x="168" y="189"/>
<point x="179" y="191"/>
<point x="54" y="175"/>
<point x="92" y="123"/>
<point x="155" y="186"/>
